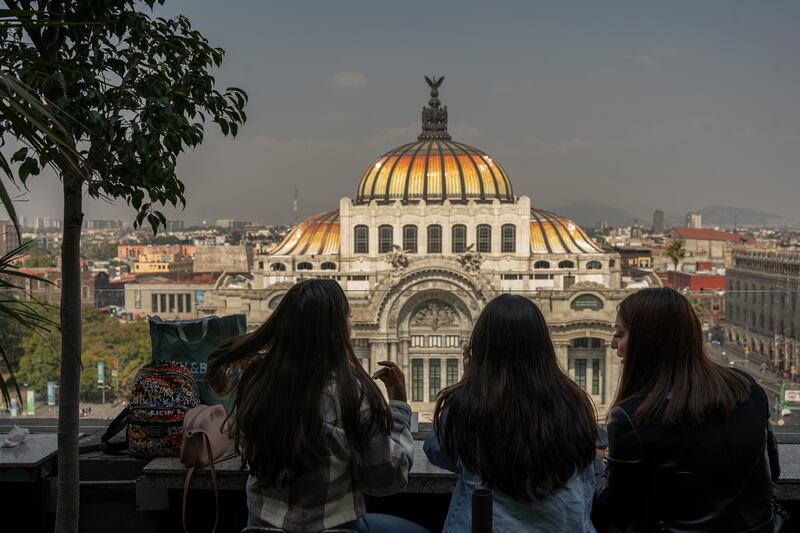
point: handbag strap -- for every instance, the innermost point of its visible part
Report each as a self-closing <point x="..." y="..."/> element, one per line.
<point x="118" y="424"/>
<point x="182" y="334"/>
<point x="213" y="483"/>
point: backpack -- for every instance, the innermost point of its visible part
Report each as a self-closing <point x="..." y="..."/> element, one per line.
<point x="162" y="394"/>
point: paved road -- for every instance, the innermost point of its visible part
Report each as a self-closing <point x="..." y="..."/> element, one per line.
<point x="769" y="381"/>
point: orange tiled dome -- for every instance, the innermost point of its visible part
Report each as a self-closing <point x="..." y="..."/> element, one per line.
<point x="317" y="235"/>
<point x="434" y="170"/>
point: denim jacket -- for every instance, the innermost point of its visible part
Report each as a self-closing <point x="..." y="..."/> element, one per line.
<point x="569" y="509"/>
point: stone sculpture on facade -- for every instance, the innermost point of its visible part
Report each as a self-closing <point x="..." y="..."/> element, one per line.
<point x="470" y="260"/>
<point x="397" y="258"/>
<point x="434" y="315"/>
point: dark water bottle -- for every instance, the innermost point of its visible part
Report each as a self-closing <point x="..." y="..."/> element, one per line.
<point x="482" y="511"/>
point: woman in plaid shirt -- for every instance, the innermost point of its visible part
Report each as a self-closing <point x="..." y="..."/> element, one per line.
<point x="312" y="426"/>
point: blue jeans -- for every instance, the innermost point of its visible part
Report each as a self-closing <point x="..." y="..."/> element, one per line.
<point x="373" y="523"/>
<point x="385" y="523"/>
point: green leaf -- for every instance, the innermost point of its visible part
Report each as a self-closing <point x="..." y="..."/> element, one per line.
<point x="223" y="125"/>
<point x="24" y="172"/>
<point x="12" y="378"/>
<point x="19" y="155"/>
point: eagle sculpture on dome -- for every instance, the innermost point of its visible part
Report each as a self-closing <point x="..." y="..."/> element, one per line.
<point x="434" y="84"/>
<point x="434" y="115"/>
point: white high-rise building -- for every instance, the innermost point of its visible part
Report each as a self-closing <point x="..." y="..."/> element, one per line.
<point x="694" y="220"/>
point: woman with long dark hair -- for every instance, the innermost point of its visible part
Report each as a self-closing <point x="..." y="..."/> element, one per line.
<point x="517" y="424"/>
<point x="312" y="427"/>
<point x="690" y="446"/>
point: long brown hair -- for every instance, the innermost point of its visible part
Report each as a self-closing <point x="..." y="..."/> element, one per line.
<point x="515" y="418"/>
<point x="288" y="362"/>
<point x="665" y="358"/>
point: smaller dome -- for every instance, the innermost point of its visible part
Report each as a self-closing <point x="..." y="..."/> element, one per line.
<point x="316" y="235"/>
<point x="553" y="234"/>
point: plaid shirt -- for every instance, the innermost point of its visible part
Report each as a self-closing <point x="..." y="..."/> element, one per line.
<point x="331" y="494"/>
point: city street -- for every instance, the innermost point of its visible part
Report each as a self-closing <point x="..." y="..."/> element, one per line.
<point x="769" y="381"/>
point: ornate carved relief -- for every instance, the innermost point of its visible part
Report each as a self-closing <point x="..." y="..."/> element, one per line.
<point x="434" y="315"/>
<point x="397" y="258"/>
<point x="583" y="285"/>
<point x="470" y="260"/>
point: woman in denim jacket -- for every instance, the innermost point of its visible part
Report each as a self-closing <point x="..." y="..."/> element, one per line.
<point x="518" y="425"/>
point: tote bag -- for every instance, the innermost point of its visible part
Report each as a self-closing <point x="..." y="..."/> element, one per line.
<point x="191" y="342"/>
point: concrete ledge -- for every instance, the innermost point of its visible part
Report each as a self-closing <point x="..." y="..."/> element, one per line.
<point x="169" y="473"/>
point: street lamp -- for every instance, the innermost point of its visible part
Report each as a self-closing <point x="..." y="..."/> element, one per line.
<point x="101" y="379"/>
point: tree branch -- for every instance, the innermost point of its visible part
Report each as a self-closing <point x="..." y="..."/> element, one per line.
<point x="54" y="35"/>
<point x="31" y="30"/>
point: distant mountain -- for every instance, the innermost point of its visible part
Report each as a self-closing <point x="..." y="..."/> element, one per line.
<point x="727" y="216"/>
<point x="588" y="214"/>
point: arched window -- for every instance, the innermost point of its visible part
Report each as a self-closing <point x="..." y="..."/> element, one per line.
<point x="277" y="267"/>
<point x="434" y="239"/>
<point x="566" y="264"/>
<point x="385" y="238"/>
<point x="541" y="264"/>
<point x="275" y="301"/>
<point x="410" y="238"/>
<point x="304" y="266"/>
<point x="594" y="265"/>
<point x="361" y="240"/>
<point x="508" y="238"/>
<point x="586" y="301"/>
<point x="484" y="239"/>
<point x="459" y="238"/>
<point x="327" y="265"/>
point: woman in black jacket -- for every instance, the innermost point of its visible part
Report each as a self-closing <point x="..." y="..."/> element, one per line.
<point x="690" y="446"/>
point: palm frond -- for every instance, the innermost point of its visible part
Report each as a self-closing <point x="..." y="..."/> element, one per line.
<point x="19" y="306"/>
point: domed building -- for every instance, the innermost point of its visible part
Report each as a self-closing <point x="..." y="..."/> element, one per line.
<point x="436" y="231"/>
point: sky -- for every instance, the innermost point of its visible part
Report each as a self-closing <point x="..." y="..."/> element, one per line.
<point x="639" y="105"/>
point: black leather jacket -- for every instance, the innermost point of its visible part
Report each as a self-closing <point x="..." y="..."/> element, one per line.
<point x="717" y="477"/>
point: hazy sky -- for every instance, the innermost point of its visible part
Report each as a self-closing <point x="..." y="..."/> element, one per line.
<point x="638" y="105"/>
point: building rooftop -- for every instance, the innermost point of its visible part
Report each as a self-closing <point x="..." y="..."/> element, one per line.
<point x="198" y="278"/>
<point x="707" y="234"/>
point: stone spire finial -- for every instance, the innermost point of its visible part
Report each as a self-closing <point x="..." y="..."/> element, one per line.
<point x="434" y="115"/>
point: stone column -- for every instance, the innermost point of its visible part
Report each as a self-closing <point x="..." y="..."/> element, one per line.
<point x="404" y="346"/>
<point x="378" y="352"/>
<point x="562" y="354"/>
<point x="613" y="368"/>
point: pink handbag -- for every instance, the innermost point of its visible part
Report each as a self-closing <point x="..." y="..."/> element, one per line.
<point x="205" y="440"/>
<point x="204" y="437"/>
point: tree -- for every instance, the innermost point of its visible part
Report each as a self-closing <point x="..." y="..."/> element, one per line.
<point x="39" y="257"/>
<point x="99" y="251"/>
<point x="676" y="252"/>
<point x="104" y="338"/>
<point x="699" y="309"/>
<point x="129" y="93"/>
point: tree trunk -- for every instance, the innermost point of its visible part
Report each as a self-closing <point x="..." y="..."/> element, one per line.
<point x="67" y="510"/>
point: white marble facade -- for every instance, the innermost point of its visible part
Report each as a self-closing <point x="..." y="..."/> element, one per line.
<point x="434" y="233"/>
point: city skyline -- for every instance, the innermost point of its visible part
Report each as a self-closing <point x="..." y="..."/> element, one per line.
<point x="690" y="106"/>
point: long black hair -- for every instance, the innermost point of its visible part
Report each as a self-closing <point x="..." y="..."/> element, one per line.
<point x="303" y="345"/>
<point x="515" y="418"/>
<point x="664" y="355"/>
